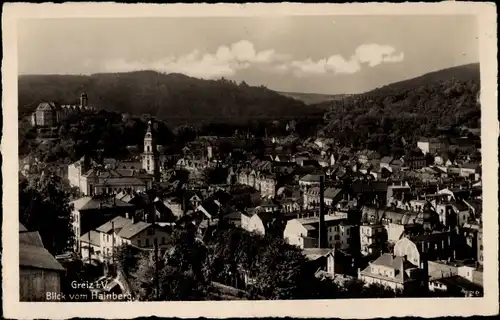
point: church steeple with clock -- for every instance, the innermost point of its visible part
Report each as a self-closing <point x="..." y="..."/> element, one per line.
<point x="149" y="155"/>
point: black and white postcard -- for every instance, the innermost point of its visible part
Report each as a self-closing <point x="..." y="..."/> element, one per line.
<point x="249" y="160"/>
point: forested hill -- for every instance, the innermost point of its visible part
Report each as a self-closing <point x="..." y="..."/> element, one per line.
<point x="312" y="98"/>
<point x="464" y="73"/>
<point x="430" y="105"/>
<point x="176" y="98"/>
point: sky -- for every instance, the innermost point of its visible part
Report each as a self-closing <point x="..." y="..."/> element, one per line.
<point x="313" y="54"/>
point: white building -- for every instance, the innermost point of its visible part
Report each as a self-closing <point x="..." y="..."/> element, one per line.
<point x="373" y="238"/>
<point x="120" y="231"/>
<point x="304" y="232"/>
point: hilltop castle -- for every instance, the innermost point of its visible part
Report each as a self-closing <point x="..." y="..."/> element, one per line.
<point x="49" y="114"/>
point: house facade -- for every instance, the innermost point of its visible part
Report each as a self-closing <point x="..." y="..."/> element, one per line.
<point x="373" y="238"/>
<point x="124" y="231"/>
<point x="39" y="271"/>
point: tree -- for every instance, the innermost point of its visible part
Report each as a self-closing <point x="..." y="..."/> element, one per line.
<point x="127" y="258"/>
<point x="282" y="272"/>
<point x="44" y="206"/>
<point x="185" y="134"/>
<point x="142" y="280"/>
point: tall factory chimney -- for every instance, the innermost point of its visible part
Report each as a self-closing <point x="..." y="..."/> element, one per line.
<point x="322" y="243"/>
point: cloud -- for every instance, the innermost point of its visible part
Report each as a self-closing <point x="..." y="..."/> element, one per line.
<point x="224" y="62"/>
<point x="228" y="59"/>
<point x="371" y="54"/>
<point x="374" y="54"/>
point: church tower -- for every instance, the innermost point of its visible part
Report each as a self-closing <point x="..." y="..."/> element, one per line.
<point x="83" y="100"/>
<point x="149" y="154"/>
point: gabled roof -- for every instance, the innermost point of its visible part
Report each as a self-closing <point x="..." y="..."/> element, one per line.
<point x="32" y="254"/>
<point x="131" y="229"/>
<point x="459" y="282"/>
<point x="209" y="208"/>
<point x="22" y="228"/>
<point x="118" y="223"/>
<point x="474" y="166"/>
<point x="311" y="178"/>
<point x="47" y="106"/>
<point x="90" y="203"/>
<point x="94" y="237"/>
<point x="386" y="160"/>
<point x="399" y="264"/>
<point x="30" y="238"/>
<point x="332" y="193"/>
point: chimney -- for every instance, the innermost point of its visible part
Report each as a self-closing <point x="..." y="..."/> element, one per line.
<point x="322" y="230"/>
<point x="425" y="270"/>
<point x="133" y="219"/>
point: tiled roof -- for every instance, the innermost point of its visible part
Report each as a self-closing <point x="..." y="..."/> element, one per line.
<point x="89" y="203"/>
<point x="31" y="238"/>
<point x="386" y="160"/>
<point x="119" y="222"/>
<point x="460" y="282"/>
<point x="95" y="238"/>
<point x="332" y="193"/>
<point x="399" y="264"/>
<point x="121" y="181"/>
<point x="36" y="256"/>
<point x="311" y="178"/>
<point x="131" y="229"/>
<point x="46" y="106"/>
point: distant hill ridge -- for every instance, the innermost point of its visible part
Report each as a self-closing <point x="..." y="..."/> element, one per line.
<point x="441" y="102"/>
<point x="312" y="98"/>
<point x="468" y="72"/>
<point x="174" y="97"/>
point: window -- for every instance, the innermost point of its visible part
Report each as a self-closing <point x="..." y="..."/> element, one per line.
<point x="148" y="149"/>
<point x="139" y="242"/>
<point x="481" y="247"/>
<point x="147" y="242"/>
<point x="107" y="237"/>
<point x="337" y="237"/>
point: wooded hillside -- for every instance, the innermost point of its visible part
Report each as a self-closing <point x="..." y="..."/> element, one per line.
<point x="437" y="103"/>
<point x="177" y="98"/>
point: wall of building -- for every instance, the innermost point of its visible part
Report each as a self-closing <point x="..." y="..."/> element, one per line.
<point x="245" y="222"/>
<point x="371" y="238"/>
<point x="255" y="225"/>
<point x="372" y="280"/>
<point x="480" y="258"/>
<point x="338" y="236"/>
<point x="294" y="233"/>
<point x="394" y="232"/>
<point x="176" y="208"/>
<point x="74" y="172"/>
<point x="95" y="252"/>
<point x="145" y="239"/>
<point x="35" y="283"/>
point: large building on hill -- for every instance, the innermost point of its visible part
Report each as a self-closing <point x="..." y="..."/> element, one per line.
<point x="49" y="114"/>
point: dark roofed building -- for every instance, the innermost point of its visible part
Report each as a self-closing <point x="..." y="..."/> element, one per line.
<point x="39" y="271"/>
<point x="392" y="271"/>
